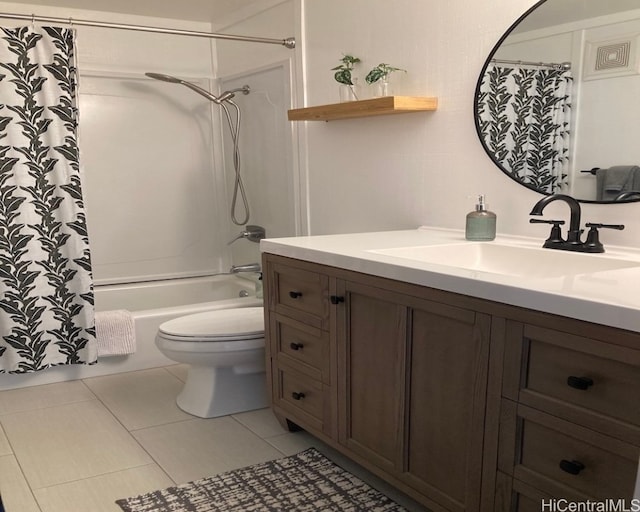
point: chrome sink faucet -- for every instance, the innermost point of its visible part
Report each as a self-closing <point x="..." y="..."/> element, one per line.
<point x="573" y="241"/>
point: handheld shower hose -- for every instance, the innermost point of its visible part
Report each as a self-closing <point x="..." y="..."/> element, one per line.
<point x="234" y="129"/>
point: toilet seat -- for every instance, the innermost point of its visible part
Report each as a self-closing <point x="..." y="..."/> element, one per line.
<point x="222" y="325"/>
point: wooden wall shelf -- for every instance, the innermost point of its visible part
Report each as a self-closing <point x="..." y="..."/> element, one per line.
<point x="364" y="108"/>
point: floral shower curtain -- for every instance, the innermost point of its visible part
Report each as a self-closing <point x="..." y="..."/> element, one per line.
<point x="525" y="117"/>
<point x="46" y="294"/>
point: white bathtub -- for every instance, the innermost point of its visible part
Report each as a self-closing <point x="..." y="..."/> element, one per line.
<point x="151" y="305"/>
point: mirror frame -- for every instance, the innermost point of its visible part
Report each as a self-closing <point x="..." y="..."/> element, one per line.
<point x="476" y="118"/>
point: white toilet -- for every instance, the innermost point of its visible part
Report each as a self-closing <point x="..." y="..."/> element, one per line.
<point x="225" y="353"/>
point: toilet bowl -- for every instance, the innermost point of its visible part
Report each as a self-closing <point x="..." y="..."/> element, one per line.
<point x="225" y="353"/>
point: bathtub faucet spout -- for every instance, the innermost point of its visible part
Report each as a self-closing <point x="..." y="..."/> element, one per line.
<point x="249" y="267"/>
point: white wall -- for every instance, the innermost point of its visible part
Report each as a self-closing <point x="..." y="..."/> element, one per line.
<point x="402" y="171"/>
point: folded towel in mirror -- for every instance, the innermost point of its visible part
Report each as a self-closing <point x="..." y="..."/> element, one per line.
<point x="614" y="180"/>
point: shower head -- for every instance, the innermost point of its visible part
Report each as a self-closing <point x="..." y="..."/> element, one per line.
<point x="172" y="79"/>
<point x="164" y="78"/>
<point x="225" y="96"/>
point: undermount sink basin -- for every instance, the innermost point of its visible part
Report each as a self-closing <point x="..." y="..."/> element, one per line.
<point x="509" y="260"/>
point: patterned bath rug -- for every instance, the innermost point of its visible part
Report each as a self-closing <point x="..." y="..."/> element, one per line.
<point x="306" y="482"/>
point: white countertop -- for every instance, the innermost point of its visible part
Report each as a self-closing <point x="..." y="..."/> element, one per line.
<point x="609" y="297"/>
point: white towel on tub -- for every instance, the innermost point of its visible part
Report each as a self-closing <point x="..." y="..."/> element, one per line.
<point x="115" y="333"/>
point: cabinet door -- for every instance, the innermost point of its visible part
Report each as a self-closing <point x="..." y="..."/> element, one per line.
<point x="412" y="378"/>
<point x="448" y="360"/>
<point x="371" y="331"/>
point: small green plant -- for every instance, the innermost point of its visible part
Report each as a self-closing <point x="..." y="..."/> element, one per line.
<point x="343" y="71"/>
<point x="380" y="72"/>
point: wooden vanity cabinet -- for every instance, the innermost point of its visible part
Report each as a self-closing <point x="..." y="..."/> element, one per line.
<point x="399" y="383"/>
<point x="464" y="404"/>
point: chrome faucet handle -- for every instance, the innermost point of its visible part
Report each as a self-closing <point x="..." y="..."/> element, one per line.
<point x="251" y="233"/>
<point x="593" y="243"/>
<point x="555" y="237"/>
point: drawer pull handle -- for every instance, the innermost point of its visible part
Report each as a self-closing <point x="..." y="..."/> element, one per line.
<point x="336" y="299"/>
<point x="573" y="467"/>
<point x="295" y="295"/>
<point x="297" y="396"/>
<point x="581" y="383"/>
<point x="296" y="346"/>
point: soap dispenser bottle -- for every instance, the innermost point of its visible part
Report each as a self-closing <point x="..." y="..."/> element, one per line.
<point x="481" y="224"/>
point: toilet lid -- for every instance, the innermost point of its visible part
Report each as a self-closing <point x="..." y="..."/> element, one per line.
<point x="218" y="325"/>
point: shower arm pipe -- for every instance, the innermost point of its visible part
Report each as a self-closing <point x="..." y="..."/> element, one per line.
<point x="288" y="42"/>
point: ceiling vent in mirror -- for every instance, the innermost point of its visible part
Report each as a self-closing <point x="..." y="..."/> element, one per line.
<point x="611" y="58"/>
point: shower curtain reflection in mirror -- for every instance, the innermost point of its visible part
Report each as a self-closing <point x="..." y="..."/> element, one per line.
<point x="524" y="119"/>
<point x="46" y="295"/>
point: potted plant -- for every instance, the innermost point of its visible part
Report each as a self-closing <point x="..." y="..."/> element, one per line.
<point x="380" y="76"/>
<point x="344" y="77"/>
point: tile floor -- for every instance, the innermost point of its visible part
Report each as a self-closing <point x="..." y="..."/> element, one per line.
<point x="78" y="446"/>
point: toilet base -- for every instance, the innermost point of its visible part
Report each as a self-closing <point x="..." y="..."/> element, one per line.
<point x="209" y="393"/>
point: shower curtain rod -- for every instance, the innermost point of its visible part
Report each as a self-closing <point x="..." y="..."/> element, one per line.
<point x="289" y="42"/>
<point x="563" y="66"/>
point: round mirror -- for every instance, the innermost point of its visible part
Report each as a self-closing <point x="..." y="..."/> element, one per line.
<point x="556" y="104"/>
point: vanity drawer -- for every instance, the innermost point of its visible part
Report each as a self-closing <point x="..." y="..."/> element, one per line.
<point x="550" y="454"/>
<point x="299" y="293"/>
<point x="560" y="369"/>
<point x="301" y="396"/>
<point x="299" y="345"/>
